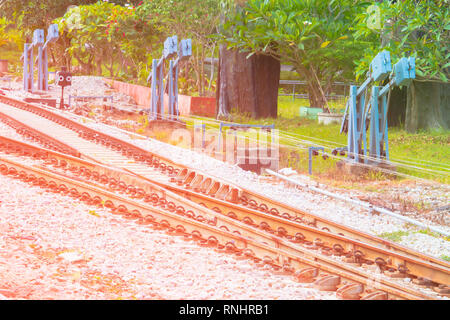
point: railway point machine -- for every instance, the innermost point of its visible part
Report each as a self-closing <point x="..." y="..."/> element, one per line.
<point x="162" y="84"/>
<point x="367" y="110"/>
<point x="42" y="58"/>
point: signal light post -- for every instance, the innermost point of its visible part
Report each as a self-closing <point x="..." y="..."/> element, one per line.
<point x="63" y="78"/>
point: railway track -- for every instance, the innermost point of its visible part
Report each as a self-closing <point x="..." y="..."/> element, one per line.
<point x="148" y="176"/>
<point x="285" y="257"/>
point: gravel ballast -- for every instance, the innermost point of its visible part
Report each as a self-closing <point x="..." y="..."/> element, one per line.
<point x="55" y="247"/>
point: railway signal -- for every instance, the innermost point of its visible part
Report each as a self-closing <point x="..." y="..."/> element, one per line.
<point x="52" y="36"/>
<point x="157" y="78"/>
<point x="63" y="79"/>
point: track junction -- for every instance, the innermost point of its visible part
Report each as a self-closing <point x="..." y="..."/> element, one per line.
<point x="100" y="169"/>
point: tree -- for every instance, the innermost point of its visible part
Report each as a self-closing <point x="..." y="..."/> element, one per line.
<point x="30" y="15"/>
<point x="189" y="19"/>
<point x="409" y="28"/>
<point x="5" y="35"/>
<point x="313" y="36"/>
<point x="246" y="83"/>
<point x="11" y="40"/>
<point x="103" y="33"/>
<point x="420" y="29"/>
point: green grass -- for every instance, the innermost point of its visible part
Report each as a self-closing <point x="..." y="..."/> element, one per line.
<point x="398" y="235"/>
<point x="444" y="257"/>
<point x="394" y="236"/>
<point x="433" y="234"/>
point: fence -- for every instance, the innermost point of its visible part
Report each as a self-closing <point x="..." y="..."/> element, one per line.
<point x="344" y="92"/>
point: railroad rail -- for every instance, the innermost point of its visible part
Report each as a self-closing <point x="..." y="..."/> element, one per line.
<point x="227" y="201"/>
<point x="307" y="266"/>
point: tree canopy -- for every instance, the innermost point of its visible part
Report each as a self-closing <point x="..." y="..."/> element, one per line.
<point x="104" y="33"/>
<point x="313" y="36"/>
<point x="408" y="28"/>
<point x="325" y="41"/>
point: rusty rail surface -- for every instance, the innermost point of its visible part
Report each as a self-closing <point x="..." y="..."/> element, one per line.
<point x="396" y="260"/>
<point x="42" y="138"/>
<point x="349" y="282"/>
<point x="97" y="175"/>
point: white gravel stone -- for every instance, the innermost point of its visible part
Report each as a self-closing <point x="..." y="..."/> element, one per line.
<point x="52" y="248"/>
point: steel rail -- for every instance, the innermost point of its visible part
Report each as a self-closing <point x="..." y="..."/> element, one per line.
<point x="291" y="230"/>
<point x="43" y="138"/>
<point x="189" y="177"/>
<point x="348" y="281"/>
<point x="394" y="256"/>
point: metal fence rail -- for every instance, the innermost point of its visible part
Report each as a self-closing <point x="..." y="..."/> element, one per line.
<point x="298" y="83"/>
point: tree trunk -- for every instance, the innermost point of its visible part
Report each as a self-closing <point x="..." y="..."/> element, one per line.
<point x="247" y="85"/>
<point x="98" y="65"/>
<point x="427" y="106"/>
<point x="85" y="67"/>
<point x="316" y="95"/>
<point x="316" y="100"/>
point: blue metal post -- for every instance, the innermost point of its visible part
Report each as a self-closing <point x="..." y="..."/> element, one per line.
<point x="385" y="122"/>
<point x="160" y="113"/>
<point x="176" y="111"/>
<point x="375" y="124"/>
<point x="352" y="130"/>
<point x="26" y="67"/>
<point x="363" y="108"/>
<point x="154" y="109"/>
<point x="171" y="90"/>
<point x="40" y="69"/>
<point x="31" y="68"/>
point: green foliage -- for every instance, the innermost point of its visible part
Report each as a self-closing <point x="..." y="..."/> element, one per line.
<point x="394" y="236"/>
<point x="8" y="33"/>
<point x="30" y="15"/>
<point x="125" y="38"/>
<point x="103" y="33"/>
<point x="11" y="44"/>
<point x="417" y="28"/>
<point x="188" y="19"/>
<point x="312" y="35"/>
<point x="121" y="37"/>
